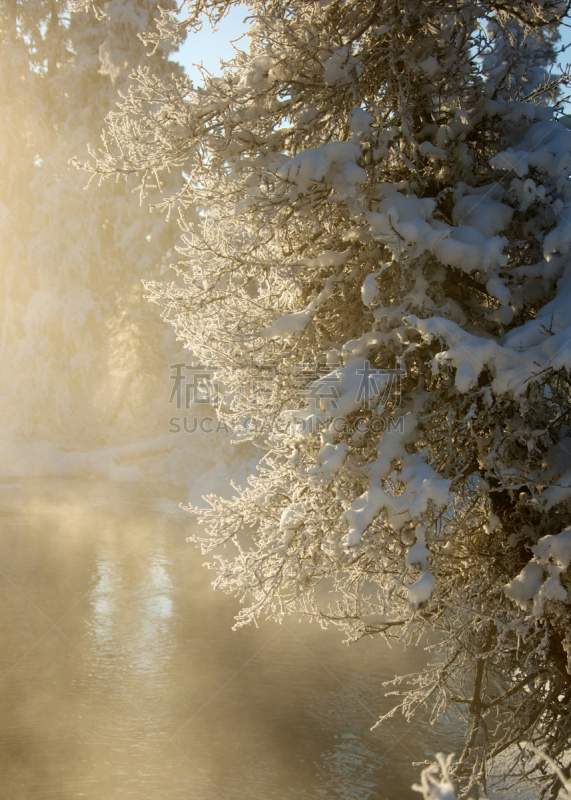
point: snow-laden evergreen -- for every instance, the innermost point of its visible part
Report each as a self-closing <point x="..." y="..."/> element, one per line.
<point x="381" y="285"/>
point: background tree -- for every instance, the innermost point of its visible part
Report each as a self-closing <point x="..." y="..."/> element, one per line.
<point x="79" y="360"/>
<point x="385" y="237"/>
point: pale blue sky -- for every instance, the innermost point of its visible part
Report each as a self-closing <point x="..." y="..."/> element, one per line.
<point x="209" y="47"/>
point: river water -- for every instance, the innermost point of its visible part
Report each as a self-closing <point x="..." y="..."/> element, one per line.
<point x="120" y="676"/>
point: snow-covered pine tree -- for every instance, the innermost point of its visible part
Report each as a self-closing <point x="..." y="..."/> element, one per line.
<point x="381" y="279"/>
<point x="73" y="334"/>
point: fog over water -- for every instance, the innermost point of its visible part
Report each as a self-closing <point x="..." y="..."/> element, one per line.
<point x="121" y="677"/>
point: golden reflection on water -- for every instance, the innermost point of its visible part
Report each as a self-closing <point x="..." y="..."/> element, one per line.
<point x="120" y="675"/>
